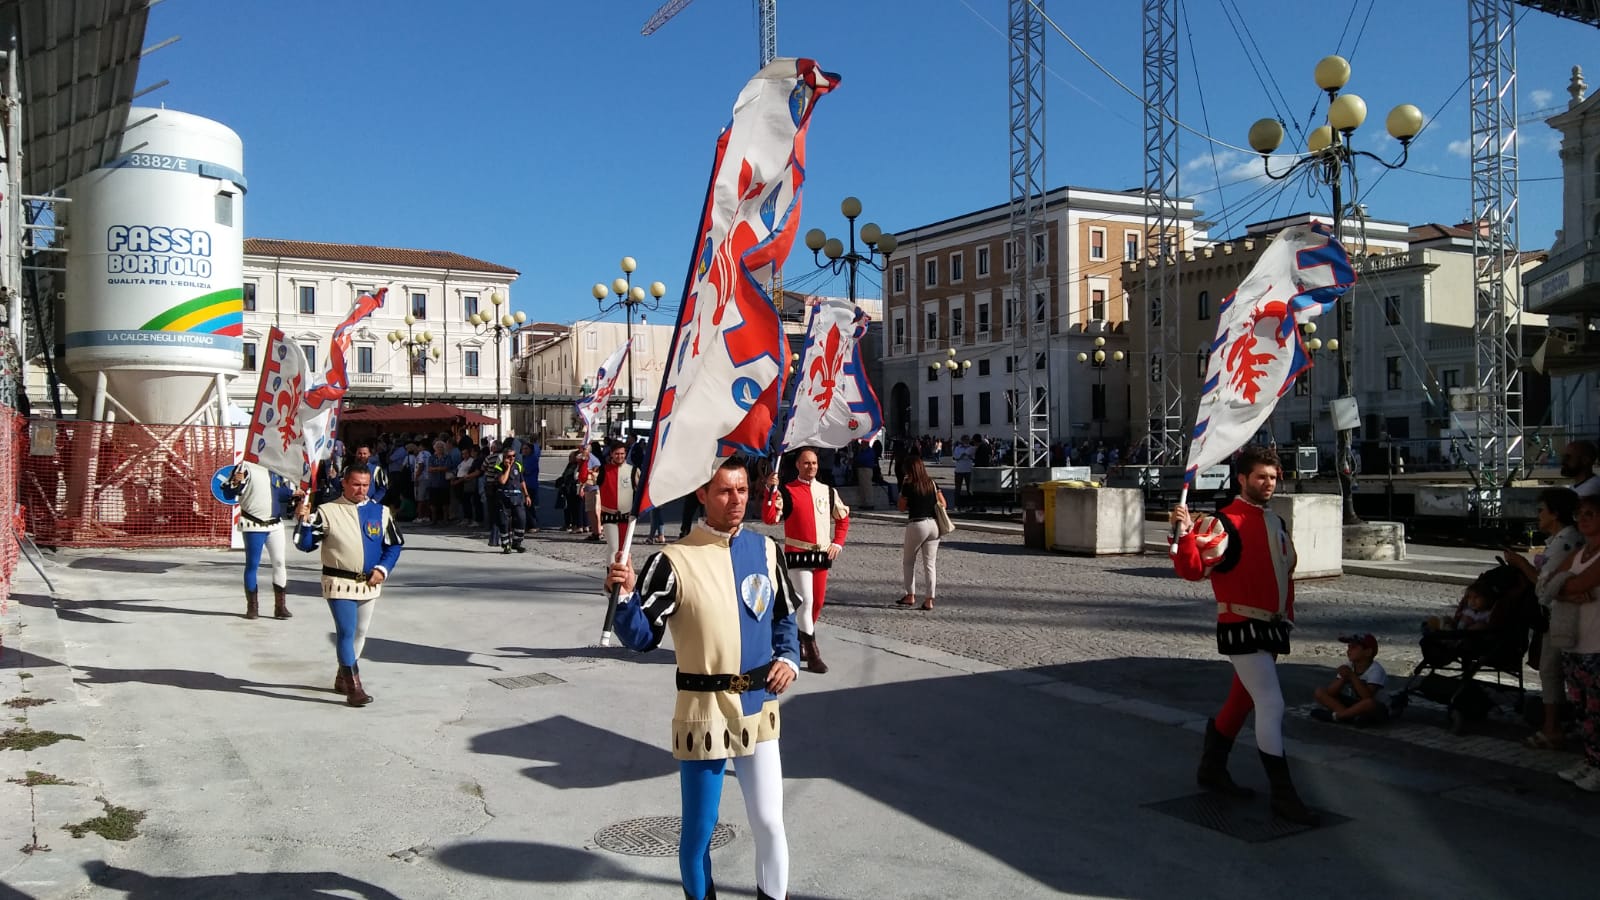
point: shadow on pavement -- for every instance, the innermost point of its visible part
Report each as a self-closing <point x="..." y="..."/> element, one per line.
<point x="546" y="863"/>
<point x="198" y="681"/>
<point x="73" y="610"/>
<point x="124" y="564"/>
<point x="139" y="886"/>
<point x="13" y="658"/>
<point x="406" y="653"/>
<point x="582" y="755"/>
<point x="657" y="656"/>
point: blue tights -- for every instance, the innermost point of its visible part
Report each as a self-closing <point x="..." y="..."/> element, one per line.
<point x="701" y="781"/>
<point x="345" y="623"/>
<point x="254" y="543"/>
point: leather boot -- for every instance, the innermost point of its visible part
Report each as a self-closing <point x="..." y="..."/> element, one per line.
<point x="358" y="695"/>
<point x="1285" y="802"/>
<point x="280" y="603"/>
<point x="805" y="648"/>
<point x="808" y="644"/>
<point x="1213" y="774"/>
<point x="252" y="605"/>
<point x="763" y="895"/>
<point x="711" y="893"/>
<point x="341" y="681"/>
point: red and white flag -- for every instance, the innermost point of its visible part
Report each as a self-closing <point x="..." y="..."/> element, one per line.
<point x="719" y="394"/>
<point x="1258" y="351"/>
<point x="296" y="414"/>
<point x="592" y="409"/>
<point x="833" y="402"/>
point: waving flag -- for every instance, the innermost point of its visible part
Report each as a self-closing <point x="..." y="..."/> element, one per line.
<point x="592" y="408"/>
<point x="833" y="402"/>
<point x="296" y="414"/>
<point x="1258" y="351"/>
<point x="719" y="394"/>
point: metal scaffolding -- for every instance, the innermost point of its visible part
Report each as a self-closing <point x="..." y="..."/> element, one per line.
<point x="1162" y="237"/>
<point x="1497" y="327"/>
<point x="1028" y="315"/>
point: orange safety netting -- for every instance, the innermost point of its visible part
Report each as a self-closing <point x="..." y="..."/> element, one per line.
<point x="125" y="484"/>
<point x="10" y="515"/>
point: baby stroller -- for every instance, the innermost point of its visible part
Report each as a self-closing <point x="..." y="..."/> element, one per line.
<point x="1460" y="668"/>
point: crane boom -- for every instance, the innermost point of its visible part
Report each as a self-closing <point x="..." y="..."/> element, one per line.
<point x="667" y="11"/>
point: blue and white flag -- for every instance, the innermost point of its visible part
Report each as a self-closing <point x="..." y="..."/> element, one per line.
<point x="1259" y="351"/>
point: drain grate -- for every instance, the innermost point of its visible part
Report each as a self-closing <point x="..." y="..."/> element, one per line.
<point x="537" y="679"/>
<point x="653" y="836"/>
<point x="1248" y="820"/>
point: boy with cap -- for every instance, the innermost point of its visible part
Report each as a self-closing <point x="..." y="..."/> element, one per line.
<point x="1352" y="696"/>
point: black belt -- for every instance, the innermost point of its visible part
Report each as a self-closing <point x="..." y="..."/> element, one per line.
<point x="807" y="559"/>
<point x="753" y="680"/>
<point x="615" y="518"/>
<point x="255" y="521"/>
<point x="331" y="572"/>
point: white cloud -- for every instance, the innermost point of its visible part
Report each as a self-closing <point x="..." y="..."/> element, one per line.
<point x="1460" y="148"/>
<point x="1541" y="98"/>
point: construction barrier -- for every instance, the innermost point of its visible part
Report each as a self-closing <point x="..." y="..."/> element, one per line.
<point x="124" y="484"/>
<point x="10" y="515"/>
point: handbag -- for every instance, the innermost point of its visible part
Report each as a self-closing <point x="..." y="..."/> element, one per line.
<point x="942" y="518"/>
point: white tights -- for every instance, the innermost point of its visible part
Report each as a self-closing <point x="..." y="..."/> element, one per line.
<point x="363" y="622"/>
<point x="1258" y="672"/>
<point x="805" y="587"/>
<point x="761" y="782"/>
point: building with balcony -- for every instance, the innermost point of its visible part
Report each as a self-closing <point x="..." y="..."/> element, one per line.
<point x="306" y="289"/>
<point x="948" y="286"/>
<point x="1567" y="286"/>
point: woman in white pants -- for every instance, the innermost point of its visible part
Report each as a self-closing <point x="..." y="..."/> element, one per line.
<point x="919" y="553"/>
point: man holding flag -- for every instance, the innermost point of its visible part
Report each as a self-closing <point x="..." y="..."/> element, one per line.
<point x="1245" y="549"/>
<point x="723" y="590"/>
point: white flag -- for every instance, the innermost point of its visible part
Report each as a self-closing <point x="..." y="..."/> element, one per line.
<point x="592" y="409"/>
<point x="277" y="427"/>
<point x="1258" y="351"/>
<point x="719" y="394"/>
<point x="833" y="402"/>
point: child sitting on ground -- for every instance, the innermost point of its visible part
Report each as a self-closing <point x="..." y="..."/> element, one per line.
<point x="1352" y="696"/>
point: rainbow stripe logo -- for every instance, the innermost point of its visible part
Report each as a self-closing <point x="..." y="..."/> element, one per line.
<point x="219" y="312"/>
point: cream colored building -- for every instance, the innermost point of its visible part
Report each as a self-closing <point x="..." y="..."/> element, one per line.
<point x="306" y="289"/>
<point x="948" y="286"/>
<point x="566" y="364"/>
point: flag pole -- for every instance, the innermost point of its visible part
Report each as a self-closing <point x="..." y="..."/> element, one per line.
<point x="624" y="548"/>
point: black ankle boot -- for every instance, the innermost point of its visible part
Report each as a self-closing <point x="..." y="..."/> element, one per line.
<point x="252" y="605"/>
<point x="1213" y="774"/>
<point x="1286" y="803"/>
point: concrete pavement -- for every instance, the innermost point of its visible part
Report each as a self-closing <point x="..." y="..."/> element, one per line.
<point x="911" y="772"/>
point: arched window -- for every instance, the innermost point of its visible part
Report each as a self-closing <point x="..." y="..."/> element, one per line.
<point x="1202" y="360"/>
<point x="1595" y="173"/>
<point x="1595" y="231"/>
<point x="1203" y="302"/>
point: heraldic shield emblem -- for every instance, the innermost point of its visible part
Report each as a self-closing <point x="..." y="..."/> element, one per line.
<point x="756" y="592"/>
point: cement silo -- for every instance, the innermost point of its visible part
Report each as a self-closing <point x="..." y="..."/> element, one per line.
<point x="154" y="306"/>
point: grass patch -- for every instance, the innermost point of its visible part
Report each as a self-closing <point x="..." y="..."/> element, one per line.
<point x="25" y="702"/>
<point x="35" y="778"/>
<point x="118" y="823"/>
<point x="28" y="739"/>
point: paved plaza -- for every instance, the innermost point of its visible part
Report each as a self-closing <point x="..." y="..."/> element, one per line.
<point x="1031" y="737"/>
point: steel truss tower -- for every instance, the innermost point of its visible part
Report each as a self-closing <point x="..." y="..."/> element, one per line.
<point x="1497" y="327"/>
<point x="1028" y="313"/>
<point x="767" y="15"/>
<point x="1163" y="244"/>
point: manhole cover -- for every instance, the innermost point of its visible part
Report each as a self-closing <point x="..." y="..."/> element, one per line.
<point x="537" y="679"/>
<point x="653" y="836"/>
<point x="1248" y="820"/>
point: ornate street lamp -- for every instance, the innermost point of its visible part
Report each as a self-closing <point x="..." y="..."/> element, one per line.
<point x="496" y="324"/>
<point x="417" y="354"/>
<point x="1098" y="361"/>
<point x="842" y="259"/>
<point x="631" y="300"/>
<point x="1330" y="161"/>
<point x="952" y="368"/>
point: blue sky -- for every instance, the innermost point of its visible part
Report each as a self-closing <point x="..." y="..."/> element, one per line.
<point x="554" y="138"/>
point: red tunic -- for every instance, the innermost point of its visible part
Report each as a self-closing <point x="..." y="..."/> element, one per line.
<point x="809" y="511"/>
<point x="1263" y="576"/>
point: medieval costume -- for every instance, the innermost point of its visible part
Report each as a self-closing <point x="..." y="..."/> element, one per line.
<point x="265" y="500"/>
<point x="357" y="539"/>
<point x="1246" y="552"/>
<point x="616" y="484"/>
<point x="727" y="599"/>
<point x="815" y="519"/>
